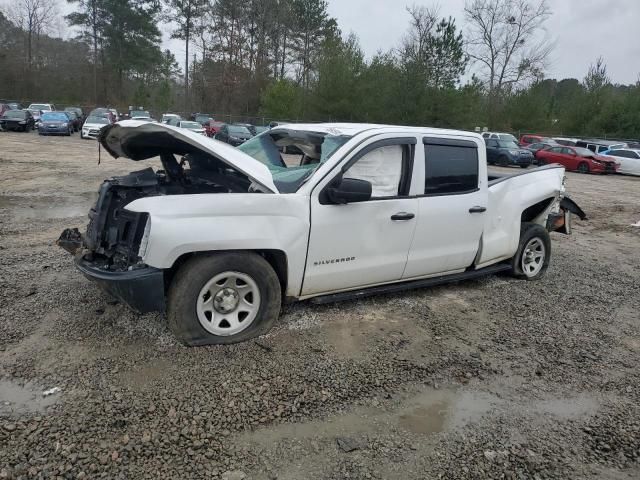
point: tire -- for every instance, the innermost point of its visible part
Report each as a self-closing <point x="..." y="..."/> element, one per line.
<point x="81" y="135"/>
<point x="68" y="134"/>
<point x="531" y="260"/>
<point x="524" y="166"/>
<point x="503" y="161"/>
<point x="195" y="284"/>
<point x="583" y="167"/>
<point x="541" y="162"/>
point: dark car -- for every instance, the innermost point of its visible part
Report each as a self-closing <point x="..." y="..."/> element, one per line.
<point x="55" y="123"/>
<point x="18" y="120"/>
<point x="74" y="119"/>
<point x="539" y="146"/>
<point x="506" y="152"/>
<point x="79" y="113"/>
<point x="233" y="134"/>
<point x="13" y="105"/>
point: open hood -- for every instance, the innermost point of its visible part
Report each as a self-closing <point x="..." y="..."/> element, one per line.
<point x="140" y="140"/>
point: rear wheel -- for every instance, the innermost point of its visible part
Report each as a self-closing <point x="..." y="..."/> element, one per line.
<point x="534" y="252"/>
<point x="223" y="298"/>
<point x="583" y="167"/>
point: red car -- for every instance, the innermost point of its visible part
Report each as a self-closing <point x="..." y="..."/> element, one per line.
<point x="529" y="139"/>
<point x="212" y="127"/>
<point x="578" y="159"/>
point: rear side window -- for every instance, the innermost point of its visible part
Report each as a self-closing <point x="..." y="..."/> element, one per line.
<point x="451" y="167"/>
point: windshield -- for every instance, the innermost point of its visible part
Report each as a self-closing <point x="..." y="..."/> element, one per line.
<point x="54" y="117"/>
<point x="98" y="120"/>
<point x="140" y="113"/>
<point x="14" y="114"/>
<point x="507" y="144"/>
<point x="238" y="130"/>
<point x="317" y="148"/>
<point x="39" y="106"/>
<point x="190" y="125"/>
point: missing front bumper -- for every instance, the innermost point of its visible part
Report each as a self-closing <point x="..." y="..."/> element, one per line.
<point x="142" y="288"/>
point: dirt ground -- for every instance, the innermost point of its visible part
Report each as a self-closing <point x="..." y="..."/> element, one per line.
<point x="493" y="378"/>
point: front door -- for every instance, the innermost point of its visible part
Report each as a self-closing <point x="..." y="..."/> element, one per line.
<point x="365" y="243"/>
<point x="452" y="209"/>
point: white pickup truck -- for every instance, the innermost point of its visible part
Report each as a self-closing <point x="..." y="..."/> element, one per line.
<point x="220" y="237"/>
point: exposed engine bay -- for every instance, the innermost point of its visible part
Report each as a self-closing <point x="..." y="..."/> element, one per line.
<point x="114" y="235"/>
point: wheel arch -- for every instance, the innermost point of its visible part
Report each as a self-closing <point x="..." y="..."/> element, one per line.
<point x="276" y="258"/>
<point x="536" y="213"/>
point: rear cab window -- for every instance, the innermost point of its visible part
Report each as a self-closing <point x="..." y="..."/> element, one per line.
<point x="451" y="166"/>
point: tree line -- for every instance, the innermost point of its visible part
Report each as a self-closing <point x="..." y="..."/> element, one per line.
<point x="289" y="60"/>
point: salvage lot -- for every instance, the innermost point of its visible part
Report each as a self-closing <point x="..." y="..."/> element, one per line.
<point x="494" y="378"/>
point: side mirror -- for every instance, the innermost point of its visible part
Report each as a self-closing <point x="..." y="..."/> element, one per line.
<point x="349" y="190"/>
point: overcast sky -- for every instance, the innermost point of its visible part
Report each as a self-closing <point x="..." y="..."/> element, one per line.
<point x="582" y="30"/>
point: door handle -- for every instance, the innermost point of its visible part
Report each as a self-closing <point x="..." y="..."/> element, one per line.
<point x="402" y="216"/>
<point x="477" y="209"/>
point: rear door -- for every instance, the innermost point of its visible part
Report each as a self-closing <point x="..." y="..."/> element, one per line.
<point x="492" y="151"/>
<point x="452" y="206"/>
<point x="364" y="243"/>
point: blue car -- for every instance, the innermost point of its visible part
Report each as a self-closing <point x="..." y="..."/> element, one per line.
<point x="507" y="152"/>
<point x="55" y="123"/>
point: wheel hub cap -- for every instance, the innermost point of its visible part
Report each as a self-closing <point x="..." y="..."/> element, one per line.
<point x="533" y="257"/>
<point x="226" y="300"/>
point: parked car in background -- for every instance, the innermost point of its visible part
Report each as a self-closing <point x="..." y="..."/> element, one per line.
<point x="78" y="111"/>
<point x="14" y="105"/>
<point x="92" y="125"/>
<point x="529" y="139"/>
<point x="195" y="127"/>
<point x="37" y="109"/>
<point x="499" y="136"/>
<point x="17" y="120"/>
<point x="577" y="159"/>
<point x="599" y="146"/>
<point x="534" y="147"/>
<point x="4" y="107"/>
<point x="55" y="123"/>
<point x="141" y="115"/>
<point x="569" y="142"/>
<point x="233" y="134"/>
<point x="74" y="119"/>
<point x="103" y="112"/>
<point x="168" y="116"/>
<point x="212" y="127"/>
<point x="507" y="152"/>
<point x="629" y="160"/>
<point x="201" y="118"/>
<point x="115" y="113"/>
<point x="257" y="130"/>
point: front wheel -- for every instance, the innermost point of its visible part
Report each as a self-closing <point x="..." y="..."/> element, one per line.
<point x="534" y="252"/>
<point x="223" y="298"/>
<point x="583" y="167"/>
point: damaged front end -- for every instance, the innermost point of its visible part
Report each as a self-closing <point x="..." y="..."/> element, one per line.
<point x="111" y="252"/>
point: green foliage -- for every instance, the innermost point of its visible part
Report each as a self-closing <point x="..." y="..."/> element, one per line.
<point x="282" y="100"/>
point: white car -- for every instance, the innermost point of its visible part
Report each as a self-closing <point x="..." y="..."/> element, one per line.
<point x="628" y="159"/>
<point x="195" y="127"/>
<point x="141" y="115"/>
<point x="221" y="236"/>
<point x="92" y="126"/>
<point x="500" y="136"/>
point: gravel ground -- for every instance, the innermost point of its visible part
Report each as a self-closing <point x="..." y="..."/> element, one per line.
<point x="494" y="378"/>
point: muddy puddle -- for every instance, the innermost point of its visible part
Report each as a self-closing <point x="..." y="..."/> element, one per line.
<point x="17" y="399"/>
<point x="27" y="208"/>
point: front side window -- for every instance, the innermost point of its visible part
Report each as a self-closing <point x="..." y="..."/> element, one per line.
<point x="382" y="167"/>
<point x="450" y="169"/>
